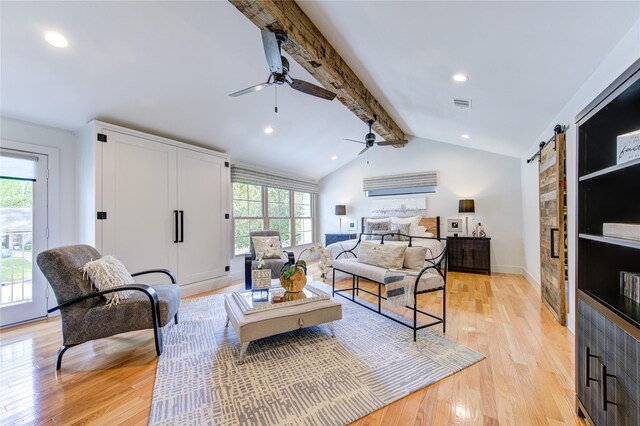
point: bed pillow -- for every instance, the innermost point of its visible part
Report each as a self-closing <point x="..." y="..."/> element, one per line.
<point x="386" y="256"/>
<point x="376" y="226"/>
<point x="414" y="257"/>
<point x="422" y="232"/>
<point x="268" y="247"/>
<point x="107" y="273"/>
<point x="414" y="221"/>
<point x="402" y="228"/>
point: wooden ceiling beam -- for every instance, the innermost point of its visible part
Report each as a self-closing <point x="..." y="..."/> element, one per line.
<point x="308" y="47"/>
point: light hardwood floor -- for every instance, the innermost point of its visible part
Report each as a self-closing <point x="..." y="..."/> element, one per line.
<point x="526" y="379"/>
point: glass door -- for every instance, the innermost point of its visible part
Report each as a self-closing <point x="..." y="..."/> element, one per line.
<point x="23" y="234"/>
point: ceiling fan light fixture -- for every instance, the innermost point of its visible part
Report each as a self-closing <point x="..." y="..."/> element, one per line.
<point x="460" y="77"/>
<point x="268" y="130"/>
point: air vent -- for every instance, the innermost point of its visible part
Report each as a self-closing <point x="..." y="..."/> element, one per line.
<point x="462" y="103"/>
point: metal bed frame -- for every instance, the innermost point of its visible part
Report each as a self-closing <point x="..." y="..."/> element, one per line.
<point x="438" y="263"/>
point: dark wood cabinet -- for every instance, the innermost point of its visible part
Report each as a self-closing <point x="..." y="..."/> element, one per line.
<point x="608" y="323"/>
<point x="469" y="254"/>
<point x="335" y="238"/>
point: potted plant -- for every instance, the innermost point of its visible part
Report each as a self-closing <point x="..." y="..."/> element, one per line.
<point x="293" y="276"/>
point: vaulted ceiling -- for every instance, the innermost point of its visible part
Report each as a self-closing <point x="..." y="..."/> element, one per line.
<point x="168" y="67"/>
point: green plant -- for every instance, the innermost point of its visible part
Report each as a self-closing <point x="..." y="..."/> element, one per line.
<point x="289" y="269"/>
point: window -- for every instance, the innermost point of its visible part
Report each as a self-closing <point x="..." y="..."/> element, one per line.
<point x="303" y="218"/>
<point x="247" y="213"/>
<point x="288" y="212"/>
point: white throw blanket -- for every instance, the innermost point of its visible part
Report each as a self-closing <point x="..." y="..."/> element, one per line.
<point x="399" y="288"/>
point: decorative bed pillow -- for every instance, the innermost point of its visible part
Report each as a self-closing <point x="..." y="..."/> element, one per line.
<point x="414" y="257"/>
<point x="268" y="247"/>
<point x="402" y="228"/>
<point x="413" y="221"/>
<point x="422" y="232"/>
<point x="388" y="256"/>
<point x="107" y="273"/>
<point x="376" y="226"/>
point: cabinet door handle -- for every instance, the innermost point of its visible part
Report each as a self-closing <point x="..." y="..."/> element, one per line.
<point x="588" y="357"/>
<point x="553" y="243"/>
<point x="182" y="226"/>
<point x="603" y="384"/>
<point x="175" y="216"/>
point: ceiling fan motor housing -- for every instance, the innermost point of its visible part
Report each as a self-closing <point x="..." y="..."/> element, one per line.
<point x="370" y="138"/>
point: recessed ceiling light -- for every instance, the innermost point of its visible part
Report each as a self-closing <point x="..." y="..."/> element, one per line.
<point x="55" y="39"/>
<point x="460" y="77"/>
<point x="268" y="130"/>
<point x="465" y="136"/>
<point x="335" y="157"/>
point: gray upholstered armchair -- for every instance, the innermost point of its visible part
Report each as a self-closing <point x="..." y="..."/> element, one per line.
<point x="250" y="261"/>
<point x="84" y="311"/>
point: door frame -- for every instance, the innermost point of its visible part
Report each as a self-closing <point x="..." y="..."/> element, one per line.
<point x="53" y="198"/>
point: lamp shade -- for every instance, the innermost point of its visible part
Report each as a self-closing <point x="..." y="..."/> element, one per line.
<point x="341" y="210"/>
<point x="466" y="206"/>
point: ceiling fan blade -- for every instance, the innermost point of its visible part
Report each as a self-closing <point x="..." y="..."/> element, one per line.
<point x="398" y="142"/>
<point x="272" y="51"/>
<point x="366" y="148"/>
<point x="353" y="140"/>
<point x="251" y="89"/>
<point x="311" y="89"/>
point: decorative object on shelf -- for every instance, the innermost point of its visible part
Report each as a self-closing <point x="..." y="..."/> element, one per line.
<point x="628" y="147"/>
<point x="466" y="206"/>
<point x="630" y="285"/>
<point x="341" y="210"/>
<point x="454" y="225"/>
<point x="479" y="231"/>
<point x="352" y="225"/>
<point x="627" y="231"/>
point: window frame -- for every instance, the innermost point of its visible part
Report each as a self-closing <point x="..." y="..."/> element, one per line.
<point x="292" y="217"/>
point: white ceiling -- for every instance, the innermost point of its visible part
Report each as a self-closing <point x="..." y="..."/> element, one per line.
<point x="167" y="67"/>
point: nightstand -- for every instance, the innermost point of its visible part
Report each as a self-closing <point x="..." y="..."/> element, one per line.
<point x="469" y="254"/>
<point x="334" y="238"/>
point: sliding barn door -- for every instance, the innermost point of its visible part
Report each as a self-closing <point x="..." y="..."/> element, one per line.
<point x="553" y="230"/>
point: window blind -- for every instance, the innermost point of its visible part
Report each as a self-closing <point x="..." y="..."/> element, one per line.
<point x="411" y="183"/>
<point x="254" y="176"/>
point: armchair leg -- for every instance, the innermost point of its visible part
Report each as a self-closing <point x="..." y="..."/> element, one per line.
<point x="61" y="352"/>
<point x="176" y="319"/>
<point x="157" y="334"/>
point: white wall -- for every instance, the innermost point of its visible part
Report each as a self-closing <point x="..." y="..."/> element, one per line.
<point x="492" y="180"/>
<point x="619" y="59"/>
<point x="62" y="221"/>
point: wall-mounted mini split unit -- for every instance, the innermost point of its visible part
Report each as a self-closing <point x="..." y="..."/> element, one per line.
<point x="462" y="103"/>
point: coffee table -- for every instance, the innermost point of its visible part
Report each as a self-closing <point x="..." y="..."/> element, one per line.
<point x="268" y="321"/>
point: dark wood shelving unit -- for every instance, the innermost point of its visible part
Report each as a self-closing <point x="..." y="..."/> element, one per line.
<point x="608" y="323"/>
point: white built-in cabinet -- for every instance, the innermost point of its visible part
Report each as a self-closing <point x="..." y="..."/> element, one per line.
<point x="155" y="203"/>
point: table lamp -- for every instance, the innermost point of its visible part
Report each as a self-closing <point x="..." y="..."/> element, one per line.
<point x="341" y="210"/>
<point x="466" y="206"/>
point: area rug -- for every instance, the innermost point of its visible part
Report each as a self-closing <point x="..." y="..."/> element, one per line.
<point x="304" y="377"/>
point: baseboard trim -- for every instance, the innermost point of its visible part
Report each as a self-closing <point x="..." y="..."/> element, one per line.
<point x="506" y="269"/>
<point x="534" y="283"/>
<point x="204" y="286"/>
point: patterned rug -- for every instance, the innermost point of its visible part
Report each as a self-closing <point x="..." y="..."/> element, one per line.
<point x="304" y="377"/>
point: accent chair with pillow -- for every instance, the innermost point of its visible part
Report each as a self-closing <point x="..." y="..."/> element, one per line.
<point x="273" y="257"/>
<point x="89" y="314"/>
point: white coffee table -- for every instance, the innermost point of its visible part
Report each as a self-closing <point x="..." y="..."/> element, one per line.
<point x="281" y="319"/>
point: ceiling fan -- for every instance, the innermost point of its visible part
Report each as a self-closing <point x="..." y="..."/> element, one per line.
<point x="279" y="67"/>
<point x="370" y="140"/>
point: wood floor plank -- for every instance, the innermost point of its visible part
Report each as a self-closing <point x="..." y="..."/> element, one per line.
<point x="527" y="377"/>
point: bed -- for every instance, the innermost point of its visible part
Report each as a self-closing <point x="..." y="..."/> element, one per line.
<point x="431" y="225"/>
